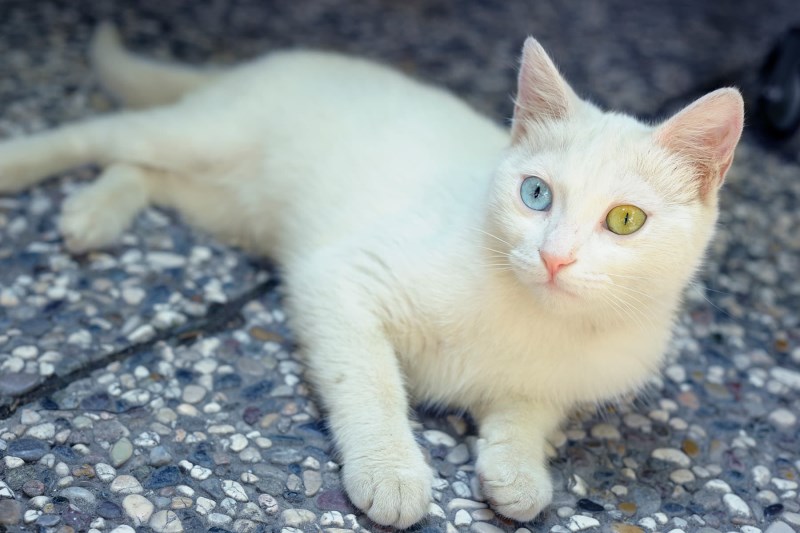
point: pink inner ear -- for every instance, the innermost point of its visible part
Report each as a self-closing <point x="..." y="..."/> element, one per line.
<point x="707" y="132"/>
<point x="542" y="93"/>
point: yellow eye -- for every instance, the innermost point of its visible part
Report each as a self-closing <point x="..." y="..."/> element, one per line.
<point x="625" y="219"/>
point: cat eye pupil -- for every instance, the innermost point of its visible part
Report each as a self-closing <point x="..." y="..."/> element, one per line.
<point x="535" y="193"/>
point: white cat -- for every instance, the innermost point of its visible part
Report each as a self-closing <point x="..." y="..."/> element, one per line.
<point x="427" y="253"/>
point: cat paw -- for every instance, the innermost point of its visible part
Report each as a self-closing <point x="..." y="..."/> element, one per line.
<point x="87" y="224"/>
<point x="515" y="488"/>
<point x="96" y="216"/>
<point x="393" y="490"/>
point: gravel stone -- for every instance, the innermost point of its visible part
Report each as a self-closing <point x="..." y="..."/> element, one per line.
<point x="791" y="518"/>
<point x="204" y="505"/>
<point x="13" y="462"/>
<point x="312" y="481"/>
<point x="235" y="490"/>
<point x="194" y="394"/>
<point x="736" y="505"/>
<point x="580" y="523"/>
<point x="335" y="519"/>
<point x="238" y="442"/>
<point x="108" y="510"/>
<point x="269" y="503"/>
<point x="166" y="522"/>
<point x="17" y="383"/>
<point x="138" y="508"/>
<point x="79" y="497"/>
<point x="779" y="527"/>
<point x="42" y="432"/>
<point x="458" y="455"/>
<point x="47" y="520"/>
<point x="462" y="518"/>
<point x="297" y="517"/>
<point x="27" y="449"/>
<point x="783" y="418"/>
<point x="605" y="432"/>
<point x="717" y="485"/>
<point x="126" y="484"/>
<point x="120" y="452"/>
<point x="439" y="438"/>
<point x="462" y="503"/>
<point x="682" y="476"/>
<point x="159" y="456"/>
<point x="672" y="455"/>
<point x="218" y="520"/>
<point x="484" y="527"/>
<point x="33" y="488"/>
<point x="166" y="476"/>
<point x="10" y="512"/>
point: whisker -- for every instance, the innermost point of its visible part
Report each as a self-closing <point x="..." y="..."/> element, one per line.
<point x="634" y="291"/>
<point x="712" y="304"/>
<point x="506" y="254"/>
<point x="491" y="235"/>
<point x="633" y="311"/>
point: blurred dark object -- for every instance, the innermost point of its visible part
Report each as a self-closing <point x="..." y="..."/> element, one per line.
<point x="778" y="103"/>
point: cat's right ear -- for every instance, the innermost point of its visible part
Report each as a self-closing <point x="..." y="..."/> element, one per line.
<point x="542" y="93"/>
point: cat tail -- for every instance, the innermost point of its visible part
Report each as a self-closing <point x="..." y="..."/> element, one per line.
<point x="137" y="81"/>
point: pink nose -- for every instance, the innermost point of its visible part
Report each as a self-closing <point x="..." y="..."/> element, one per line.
<point x="554" y="263"/>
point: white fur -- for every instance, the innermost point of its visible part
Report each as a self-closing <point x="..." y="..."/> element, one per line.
<point x="411" y="266"/>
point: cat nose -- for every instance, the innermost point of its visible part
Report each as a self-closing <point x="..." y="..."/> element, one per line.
<point x="554" y="263"/>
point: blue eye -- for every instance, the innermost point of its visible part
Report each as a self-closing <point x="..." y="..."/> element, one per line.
<point x="536" y="194"/>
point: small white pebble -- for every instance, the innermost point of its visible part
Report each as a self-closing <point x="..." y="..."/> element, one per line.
<point x="435" y="510"/>
<point x="437" y="438"/>
<point x="234" y="490"/>
<point x="238" y="442"/>
<point x="199" y="472"/>
<point x="204" y="505"/>
<point x="767" y="497"/>
<point x="672" y="455"/>
<point x="784" y="484"/>
<point x="605" y="431"/>
<point x="126" y="484"/>
<point x="619" y="490"/>
<point x="761" y="476"/>
<point x="579" y="487"/>
<point x="13" y="462"/>
<point x="681" y="476"/>
<point x="782" y="418"/>
<point x="736" y="505"/>
<point x="717" y="485"/>
<point x="462" y="518"/>
<point x="580" y="522"/>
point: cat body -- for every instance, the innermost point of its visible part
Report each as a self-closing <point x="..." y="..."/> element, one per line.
<point x="412" y="270"/>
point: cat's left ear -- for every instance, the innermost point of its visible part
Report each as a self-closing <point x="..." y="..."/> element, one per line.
<point x="706" y="133"/>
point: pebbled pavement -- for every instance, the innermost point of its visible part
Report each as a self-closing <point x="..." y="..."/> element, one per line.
<point x="155" y="385"/>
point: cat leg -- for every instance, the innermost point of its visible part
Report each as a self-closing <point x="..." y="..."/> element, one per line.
<point x="177" y="138"/>
<point x="512" y="464"/>
<point x="96" y="215"/>
<point x="355" y="371"/>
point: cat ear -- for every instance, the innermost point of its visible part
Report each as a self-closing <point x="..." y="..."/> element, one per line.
<point x="706" y="132"/>
<point x="542" y="93"/>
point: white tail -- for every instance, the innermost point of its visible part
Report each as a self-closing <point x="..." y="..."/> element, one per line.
<point x="137" y="81"/>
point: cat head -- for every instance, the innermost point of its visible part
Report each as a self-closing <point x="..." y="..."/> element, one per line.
<point x="597" y="212"/>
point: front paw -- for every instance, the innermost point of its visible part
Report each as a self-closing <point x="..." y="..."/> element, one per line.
<point x="516" y="487"/>
<point x="392" y="486"/>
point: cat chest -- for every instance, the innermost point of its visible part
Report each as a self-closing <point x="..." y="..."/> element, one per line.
<point x="466" y="367"/>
